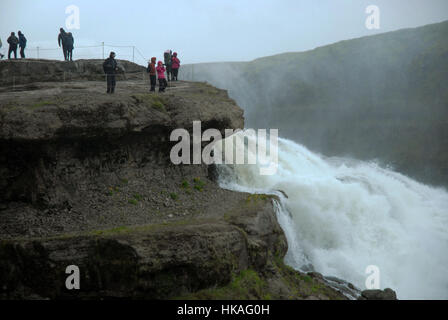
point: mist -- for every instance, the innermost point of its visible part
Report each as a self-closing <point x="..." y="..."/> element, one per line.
<point x="373" y="98"/>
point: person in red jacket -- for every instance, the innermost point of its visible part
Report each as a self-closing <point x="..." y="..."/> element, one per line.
<point x="152" y="74"/>
<point x="161" y="75"/>
<point x="175" y="65"/>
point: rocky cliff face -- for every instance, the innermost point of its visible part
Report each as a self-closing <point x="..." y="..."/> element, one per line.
<point x="83" y="157"/>
<point x="86" y="180"/>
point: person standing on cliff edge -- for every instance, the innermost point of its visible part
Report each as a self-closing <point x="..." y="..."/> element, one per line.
<point x="62" y="39"/>
<point x="22" y="44"/>
<point x="161" y="75"/>
<point x="152" y="74"/>
<point x="175" y="65"/>
<point x="167" y="55"/>
<point x="13" y="42"/>
<point x="69" y="46"/>
<point x="110" y="67"/>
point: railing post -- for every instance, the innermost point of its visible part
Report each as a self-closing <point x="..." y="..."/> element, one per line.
<point x="102" y="44"/>
<point x="133" y="49"/>
<point x="38" y="52"/>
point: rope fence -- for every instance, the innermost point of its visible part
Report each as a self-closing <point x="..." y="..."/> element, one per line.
<point x="101" y="51"/>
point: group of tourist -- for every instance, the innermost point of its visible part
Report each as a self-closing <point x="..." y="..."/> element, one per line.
<point x="65" y="39"/>
<point x="15" y="42"/>
<point x="171" y="67"/>
<point x="156" y="71"/>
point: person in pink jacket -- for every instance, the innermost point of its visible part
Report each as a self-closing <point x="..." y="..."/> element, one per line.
<point x="175" y="65"/>
<point x="161" y="76"/>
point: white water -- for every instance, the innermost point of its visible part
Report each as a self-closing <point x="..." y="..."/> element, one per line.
<point x="343" y="215"/>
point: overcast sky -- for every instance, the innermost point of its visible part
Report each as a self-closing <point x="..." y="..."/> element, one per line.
<point x="207" y="30"/>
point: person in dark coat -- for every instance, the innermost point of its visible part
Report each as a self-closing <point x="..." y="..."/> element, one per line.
<point x="167" y="59"/>
<point x="22" y="44"/>
<point x="13" y="42"/>
<point x="69" y="46"/>
<point x="110" y="68"/>
<point x="62" y="40"/>
<point x="152" y="74"/>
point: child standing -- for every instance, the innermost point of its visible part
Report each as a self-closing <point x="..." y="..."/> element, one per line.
<point x="161" y="75"/>
<point x="152" y="74"/>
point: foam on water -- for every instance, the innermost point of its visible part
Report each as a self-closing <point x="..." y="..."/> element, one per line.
<point x="342" y="215"/>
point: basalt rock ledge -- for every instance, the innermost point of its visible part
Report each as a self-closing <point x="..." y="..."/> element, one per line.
<point x="86" y="180"/>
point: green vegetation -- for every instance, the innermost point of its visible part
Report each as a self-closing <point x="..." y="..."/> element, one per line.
<point x="252" y="285"/>
<point x="117" y="230"/>
<point x="138" y="197"/>
<point x="151" y="100"/>
<point x="185" y="184"/>
<point x="43" y="103"/>
<point x="245" y="285"/>
<point x="198" y="184"/>
<point x="113" y="190"/>
<point x="256" y="197"/>
<point x="174" y="196"/>
<point x="135" y="199"/>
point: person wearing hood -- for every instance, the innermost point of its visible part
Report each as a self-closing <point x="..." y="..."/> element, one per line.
<point x="161" y="75"/>
<point x="22" y="44"/>
<point x="62" y="40"/>
<point x="69" y="46"/>
<point x="151" y="69"/>
<point x="110" y="67"/>
<point x="175" y="65"/>
<point x="13" y="42"/>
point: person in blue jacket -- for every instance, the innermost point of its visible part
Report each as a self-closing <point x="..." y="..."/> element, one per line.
<point x="22" y="44"/>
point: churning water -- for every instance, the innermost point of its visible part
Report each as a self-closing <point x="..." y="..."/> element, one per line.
<point x="341" y="215"/>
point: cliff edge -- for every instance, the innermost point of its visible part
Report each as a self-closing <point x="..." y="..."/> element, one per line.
<point x="86" y="180"/>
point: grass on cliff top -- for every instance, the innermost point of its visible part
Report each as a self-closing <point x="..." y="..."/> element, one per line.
<point x="54" y="101"/>
<point x="151" y="100"/>
<point x="123" y="230"/>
